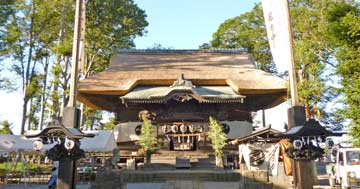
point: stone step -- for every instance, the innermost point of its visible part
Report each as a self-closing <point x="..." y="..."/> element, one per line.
<point x="199" y="176"/>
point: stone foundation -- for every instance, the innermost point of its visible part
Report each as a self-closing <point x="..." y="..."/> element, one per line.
<point x="182" y="179"/>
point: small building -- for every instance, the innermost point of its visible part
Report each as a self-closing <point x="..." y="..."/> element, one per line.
<point x="263" y="150"/>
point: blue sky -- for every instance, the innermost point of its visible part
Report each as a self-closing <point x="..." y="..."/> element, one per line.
<point x="180" y="24"/>
<point x="186" y="24"/>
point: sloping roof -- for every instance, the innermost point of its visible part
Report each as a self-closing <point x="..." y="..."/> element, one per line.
<point x="10" y="143"/>
<point x="204" y="94"/>
<point x="310" y="128"/>
<point x="103" y="141"/>
<point x="261" y="133"/>
<point x="131" y="68"/>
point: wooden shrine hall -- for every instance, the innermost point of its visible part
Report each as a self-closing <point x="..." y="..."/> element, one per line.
<point x="182" y="88"/>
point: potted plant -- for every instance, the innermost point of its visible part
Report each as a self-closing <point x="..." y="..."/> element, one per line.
<point x="147" y="140"/>
<point x="218" y="140"/>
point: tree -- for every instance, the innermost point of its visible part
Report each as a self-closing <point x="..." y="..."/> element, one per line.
<point x="313" y="51"/>
<point x="246" y="31"/>
<point x="91" y="117"/>
<point x="31" y="37"/>
<point x="110" y="25"/>
<point x="344" y="32"/>
<point x="218" y="139"/>
<point x="6" y="10"/>
<point x="27" y="31"/>
<point x="5" y="127"/>
<point x="147" y="139"/>
<point x="110" y="125"/>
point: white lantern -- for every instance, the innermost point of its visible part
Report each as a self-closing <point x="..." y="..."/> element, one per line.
<point x="183" y="128"/>
<point x="174" y="128"/>
<point x="38" y="145"/>
<point x="298" y="144"/>
<point x="69" y="144"/>
<point x="192" y="128"/>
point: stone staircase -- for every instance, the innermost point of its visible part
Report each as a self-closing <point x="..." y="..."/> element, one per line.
<point x="167" y="159"/>
<point x="181" y="179"/>
<point x="198" y="175"/>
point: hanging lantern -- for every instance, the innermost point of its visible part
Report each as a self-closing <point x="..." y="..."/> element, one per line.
<point x="174" y="128"/>
<point x="183" y="128"/>
<point x="164" y="129"/>
<point x="200" y="128"/>
<point x="69" y="144"/>
<point x="38" y="145"/>
<point x="192" y="129"/>
<point x="298" y="144"/>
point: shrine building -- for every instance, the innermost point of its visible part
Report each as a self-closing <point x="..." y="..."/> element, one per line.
<point x="182" y="88"/>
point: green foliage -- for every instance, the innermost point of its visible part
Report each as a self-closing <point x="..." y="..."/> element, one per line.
<point x="5" y="127"/>
<point x="315" y="52"/>
<point x="110" y="125"/>
<point x="246" y="31"/>
<point x="91" y="117"/>
<point x="217" y="136"/>
<point x="111" y="25"/>
<point x="147" y="141"/>
<point x="344" y="31"/>
<point x="24" y="166"/>
<point x="31" y="34"/>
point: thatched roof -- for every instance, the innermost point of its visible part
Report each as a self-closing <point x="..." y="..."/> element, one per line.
<point x="131" y="68"/>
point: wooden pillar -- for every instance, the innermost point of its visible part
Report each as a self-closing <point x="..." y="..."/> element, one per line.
<point x="71" y="115"/>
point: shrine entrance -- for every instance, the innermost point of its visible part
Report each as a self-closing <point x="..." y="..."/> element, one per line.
<point x="182" y="136"/>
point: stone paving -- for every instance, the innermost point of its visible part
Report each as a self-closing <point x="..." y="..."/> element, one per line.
<point x="37" y="186"/>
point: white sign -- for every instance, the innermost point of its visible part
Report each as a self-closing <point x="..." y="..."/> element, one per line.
<point x="260" y="157"/>
<point x="278" y="32"/>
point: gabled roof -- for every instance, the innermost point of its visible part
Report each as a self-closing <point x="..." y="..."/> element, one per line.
<point x="132" y="68"/>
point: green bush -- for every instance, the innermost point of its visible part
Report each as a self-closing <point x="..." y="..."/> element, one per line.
<point x="23" y="166"/>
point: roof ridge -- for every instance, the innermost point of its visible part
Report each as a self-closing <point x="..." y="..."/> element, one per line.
<point x="214" y="50"/>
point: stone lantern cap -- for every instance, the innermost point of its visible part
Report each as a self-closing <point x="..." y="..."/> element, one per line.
<point x="60" y="131"/>
<point x="311" y="128"/>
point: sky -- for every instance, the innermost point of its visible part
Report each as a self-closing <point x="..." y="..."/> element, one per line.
<point x="187" y="24"/>
<point x="179" y="24"/>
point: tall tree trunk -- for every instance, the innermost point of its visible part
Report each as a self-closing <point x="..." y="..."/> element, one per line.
<point x="30" y="115"/>
<point x="54" y="96"/>
<point x="43" y="94"/>
<point x="24" y="110"/>
<point x="66" y="78"/>
<point x="27" y="71"/>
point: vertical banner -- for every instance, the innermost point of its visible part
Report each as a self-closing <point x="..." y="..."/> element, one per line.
<point x="278" y="32"/>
